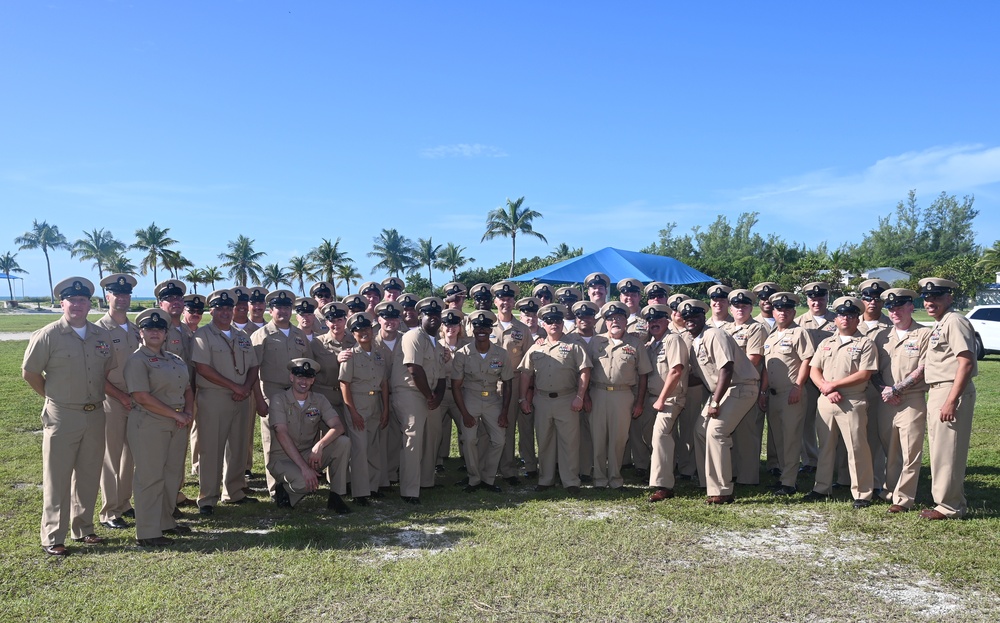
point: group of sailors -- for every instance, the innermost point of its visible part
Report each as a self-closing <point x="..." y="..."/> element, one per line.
<point x="363" y="393"/>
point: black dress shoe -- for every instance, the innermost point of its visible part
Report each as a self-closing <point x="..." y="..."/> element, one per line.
<point x="532" y="474"/>
<point x="493" y="488"/>
<point x="361" y="500"/>
<point x="774" y="471"/>
<point x="573" y="490"/>
<point x="512" y="481"/>
<point x="471" y="488"/>
<point x="439" y="469"/>
<point x="336" y="503"/>
<point x="815" y="496"/>
<point x="807" y="469"/>
<point x="116" y="523"/>
<point x="206" y="510"/>
<point x="785" y="490"/>
<point x="641" y="473"/>
<point x="243" y="500"/>
<point x="281" y="497"/>
<point x="159" y="541"/>
<point x="862" y="503"/>
<point x="249" y="474"/>
<point x="540" y="488"/>
<point x="178" y="529"/>
<point x="463" y="482"/>
<point x="462" y="467"/>
<point x="411" y="500"/>
<point x="177" y="514"/>
<point x="377" y="494"/>
<point x="130" y="513"/>
<point x="585" y="478"/>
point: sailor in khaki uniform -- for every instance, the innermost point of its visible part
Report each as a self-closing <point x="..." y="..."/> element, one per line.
<point x="872" y="322"/>
<point x="543" y="292"/>
<point x="561" y="371"/>
<point x="840" y="369"/>
<point x="901" y="404"/>
<point x="355" y="303"/>
<point x="567" y="296"/>
<point x="951" y="400"/>
<point x="513" y="336"/>
<point x="666" y="388"/>
<point x="241" y="311"/>
<point x="388" y="341"/>
<point x="227" y="376"/>
<point x="364" y="387"/>
<point x="481" y="296"/>
<point x="275" y="344"/>
<point x="327" y="349"/>
<point x="586" y="315"/>
<point x="194" y="311"/>
<point x="819" y="322"/>
<point x="718" y="297"/>
<point x="656" y="293"/>
<point x="726" y="371"/>
<point x="688" y="420"/>
<point x="788" y="350"/>
<point x="630" y="293"/>
<point x="617" y="392"/>
<point x="749" y="335"/>
<point x="258" y="303"/>
<point x="67" y="362"/>
<point x="455" y="294"/>
<point x="408" y="314"/>
<point x="392" y="287"/>
<point x="417" y="389"/>
<point x="170" y="298"/>
<point x="158" y="425"/>
<point x="323" y="293"/>
<point x="451" y="337"/>
<point x="481" y="376"/>
<point x="527" y="313"/>
<point x="305" y="316"/>
<point x="597" y="285"/>
<point x="301" y="449"/>
<point x="763" y="291"/>
<point x="371" y="292"/>
<point x="116" y="473"/>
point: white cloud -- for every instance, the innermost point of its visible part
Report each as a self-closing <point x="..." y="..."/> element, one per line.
<point x="463" y="150"/>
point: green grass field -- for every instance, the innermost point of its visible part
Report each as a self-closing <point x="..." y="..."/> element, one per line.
<point x="516" y="556"/>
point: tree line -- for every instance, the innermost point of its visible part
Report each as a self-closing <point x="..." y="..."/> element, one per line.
<point x="937" y="239"/>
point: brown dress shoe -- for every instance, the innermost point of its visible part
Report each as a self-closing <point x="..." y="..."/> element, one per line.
<point x="930" y="513"/>
<point x="661" y="494"/>
<point x="55" y="550"/>
<point x="896" y="508"/>
<point x="90" y="539"/>
<point x="719" y="499"/>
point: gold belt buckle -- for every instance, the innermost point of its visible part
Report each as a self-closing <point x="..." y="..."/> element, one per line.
<point x="178" y="410"/>
<point x="484" y="394"/>
<point x="371" y="393"/>
<point x="89" y="407"/>
<point x="611" y="388"/>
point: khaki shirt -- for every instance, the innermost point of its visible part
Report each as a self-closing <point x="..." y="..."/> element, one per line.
<point x="480" y="374"/>
<point x="365" y="371"/>
<point x="231" y="357"/>
<point x="819" y="327"/>
<point x="325" y="350"/>
<point x="556" y="365"/>
<point x="516" y="340"/>
<point x="123" y="344"/>
<point x="665" y="354"/>
<point x="882" y="322"/>
<point x="768" y="324"/>
<point x="274" y="350"/>
<point x="249" y="328"/>
<point x="713" y="351"/>
<point x="784" y="353"/>
<point x="74" y="369"/>
<point x="417" y="349"/>
<point x="163" y="374"/>
<point x="749" y="336"/>
<point x="180" y="341"/>
<point x="898" y="358"/>
<point x="838" y="359"/>
<point x="618" y="364"/>
<point x="636" y="326"/>
<point x="303" y="422"/>
<point x="950" y="337"/>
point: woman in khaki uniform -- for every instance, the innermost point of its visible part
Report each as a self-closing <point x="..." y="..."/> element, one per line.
<point x="158" y="426"/>
<point x="364" y="388"/>
<point x="451" y="337"/>
<point x="666" y="391"/>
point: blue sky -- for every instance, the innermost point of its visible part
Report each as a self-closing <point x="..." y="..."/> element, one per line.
<point x="288" y="122"/>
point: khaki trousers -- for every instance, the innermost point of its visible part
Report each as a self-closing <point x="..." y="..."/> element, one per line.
<point x="116" y="471"/>
<point x="392" y="441"/>
<point x="640" y="436"/>
<point x="848" y="419"/>
<point x="810" y="447"/>
<point x="366" y="445"/>
<point x="508" y="465"/>
<point x="449" y="413"/>
<point x="72" y="452"/>
<point x="336" y="457"/>
<point x="949" y="448"/>
<point x="269" y="390"/>
<point x="586" y="452"/>
<point x="160" y="450"/>
<point x="557" y="428"/>
<point x="746" y="447"/>
<point x="222" y="441"/>
<point x="784" y="429"/>
<point x="609" y="426"/>
<point x="482" y="444"/>
<point x="525" y="432"/>
<point x="874" y="397"/>
<point x="901" y="435"/>
<point x="690" y="461"/>
<point x="661" y="468"/>
<point x="420" y="429"/>
<point x="715" y="437"/>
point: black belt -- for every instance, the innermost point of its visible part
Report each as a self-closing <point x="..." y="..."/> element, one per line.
<point x="558" y="394"/>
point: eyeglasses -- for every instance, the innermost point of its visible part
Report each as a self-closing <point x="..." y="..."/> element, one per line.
<point x="848" y="315"/>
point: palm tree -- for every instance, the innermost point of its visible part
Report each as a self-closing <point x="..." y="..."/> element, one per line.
<point x="564" y="252"/>
<point x="9" y="266"/>
<point x="426" y="254"/>
<point x="121" y="264"/>
<point x="242" y="260"/>
<point x="98" y="246"/>
<point x="174" y="262"/>
<point x="211" y="275"/>
<point x="508" y="222"/>
<point x="155" y="242"/>
<point x="395" y="253"/>
<point x="43" y="236"/>
<point x="348" y="275"/>
<point x="300" y="269"/>
<point x="326" y="258"/>
<point x="451" y="258"/>
<point x="990" y="261"/>
<point x="194" y="276"/>
<point x="274" y="275"/>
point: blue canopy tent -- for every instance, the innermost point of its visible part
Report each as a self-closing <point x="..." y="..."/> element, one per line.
<point x="618" y="264"/>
